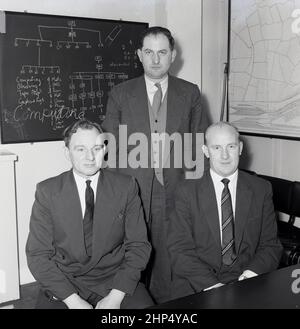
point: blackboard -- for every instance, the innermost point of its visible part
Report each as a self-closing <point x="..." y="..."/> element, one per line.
<point x="57" y="69"/>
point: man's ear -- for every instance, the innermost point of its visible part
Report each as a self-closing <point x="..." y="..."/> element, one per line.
<point x="139" y="53"/>
<point x="105" y="149"/>
<point x="174" y="53"/>
<point x="241" y="147"/>
<point x="205" y="151"/>
<point x="67" y="153"/>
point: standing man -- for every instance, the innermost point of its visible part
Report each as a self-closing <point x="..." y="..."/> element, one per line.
<point x="152" y="104"/>
<point x="223" y="227"/>
<point x="88" y="240"/>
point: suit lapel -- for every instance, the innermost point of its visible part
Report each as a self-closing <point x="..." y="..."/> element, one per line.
<point x="243" y="201"/>
<point x="70" y="209"/>
<point x="209" y="205"/>
<point x="175" y="110"/>
<point x="103" y="215"/>
<point x="138" y="104"/>
<point x="175" y="106"/>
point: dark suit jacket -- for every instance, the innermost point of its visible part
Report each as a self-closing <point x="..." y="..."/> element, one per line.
<point x="55" y="247"/>
<point x="194" y="237"/>
<point x="128" y="105"/>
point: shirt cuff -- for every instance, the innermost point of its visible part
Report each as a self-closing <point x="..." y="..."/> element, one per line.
<point x="247" y="274"/>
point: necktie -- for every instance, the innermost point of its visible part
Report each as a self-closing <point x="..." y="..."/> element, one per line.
<point x="157" y="99"/>
<point x="88" y="218"/>
<point x="228" y="248"/>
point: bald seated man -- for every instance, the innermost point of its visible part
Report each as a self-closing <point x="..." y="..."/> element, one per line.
<point x="223" y="226"/>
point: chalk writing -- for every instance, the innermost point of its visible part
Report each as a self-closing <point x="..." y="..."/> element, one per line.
<point x="64" y="68"/>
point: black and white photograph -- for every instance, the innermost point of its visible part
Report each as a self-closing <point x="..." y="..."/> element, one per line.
<point x="149" y="157"/>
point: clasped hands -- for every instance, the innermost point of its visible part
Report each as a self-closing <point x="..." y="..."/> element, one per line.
<point x="112" y="301"/>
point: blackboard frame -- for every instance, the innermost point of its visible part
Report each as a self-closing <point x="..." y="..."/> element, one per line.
<point x="131" y="66"/>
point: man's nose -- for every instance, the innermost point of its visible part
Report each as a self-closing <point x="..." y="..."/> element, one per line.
<point x="90" y="155"/>
<point x="225" y="154"/>
<point x="155" y="58"/>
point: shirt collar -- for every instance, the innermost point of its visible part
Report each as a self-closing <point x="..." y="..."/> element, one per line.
<point x="81" y="180"/>
<point x="150" y="84"/>
<point x="217" y="178"/>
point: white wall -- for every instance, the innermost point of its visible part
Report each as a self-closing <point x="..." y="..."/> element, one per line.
<point x="277" y="157"/>
<point x="185" y="19"/>
<point x="214" y="53"/>
<point x="135" y="10"/>
<point x="36" y="162"/>
<point x="39" y="161"/>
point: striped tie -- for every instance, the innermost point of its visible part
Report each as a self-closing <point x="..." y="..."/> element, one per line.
<point x="88" y="218"/>
<point x="157" y="99"/>
<point x="228" y="248"/>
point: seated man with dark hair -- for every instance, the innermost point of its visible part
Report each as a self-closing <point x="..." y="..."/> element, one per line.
<point x="223" y="227"/>
<point x="88" y="243"/>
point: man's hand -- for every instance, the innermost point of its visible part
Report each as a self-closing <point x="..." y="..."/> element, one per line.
<point x="112" y="301"/>
<point x="74" y="301"/>
<point x="247" y="274"/>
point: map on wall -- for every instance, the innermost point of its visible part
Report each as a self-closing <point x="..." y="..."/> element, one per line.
<point x="264" y="78"/>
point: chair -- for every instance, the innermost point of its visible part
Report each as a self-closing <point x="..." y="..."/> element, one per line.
<point x="286" y="198"/>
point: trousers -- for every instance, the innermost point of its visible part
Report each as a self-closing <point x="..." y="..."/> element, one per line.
<point x="159" y="264"/>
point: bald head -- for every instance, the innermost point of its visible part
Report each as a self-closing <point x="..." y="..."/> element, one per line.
<point x="219" y="126"/>
<point x="223" y="148"/>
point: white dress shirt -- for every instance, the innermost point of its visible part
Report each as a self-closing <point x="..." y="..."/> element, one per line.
<point x="81" y="186"/>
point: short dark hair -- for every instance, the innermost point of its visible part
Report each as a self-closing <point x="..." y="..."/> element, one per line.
<point x="82" y="124"/>
<point x="155" y="30"/>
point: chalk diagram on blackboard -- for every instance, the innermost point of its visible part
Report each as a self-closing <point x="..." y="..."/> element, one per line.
<point x="86" y="90"/>
<point x="64" y="73"/>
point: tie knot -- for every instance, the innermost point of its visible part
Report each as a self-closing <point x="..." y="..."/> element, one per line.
<point x="88" y="183"/>
<point x="225" y="181"/>
<point x="158" y="86"/>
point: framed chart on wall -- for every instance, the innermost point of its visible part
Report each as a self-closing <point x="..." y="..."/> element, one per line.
<point x="264" y="68"/>
<point x="58" y="69"/>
